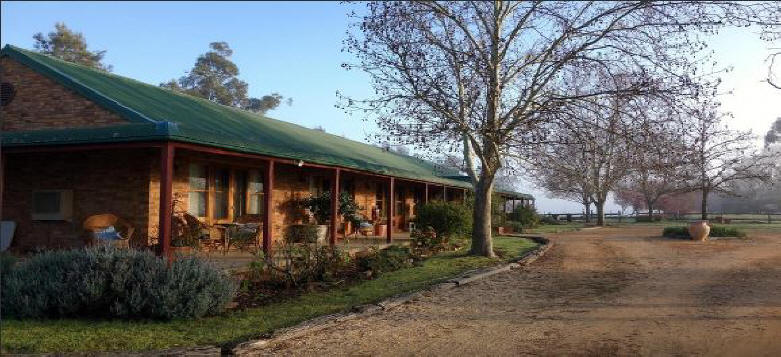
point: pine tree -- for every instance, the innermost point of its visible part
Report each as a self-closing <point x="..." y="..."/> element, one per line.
<point x="70" y="46"/>
<point x="215" y="77"/>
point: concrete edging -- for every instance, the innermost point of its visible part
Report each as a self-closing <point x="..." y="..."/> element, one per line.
<point x="323" y="322"/>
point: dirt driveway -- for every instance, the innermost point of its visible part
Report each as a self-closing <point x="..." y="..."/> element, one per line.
<point x="614" y="291"/>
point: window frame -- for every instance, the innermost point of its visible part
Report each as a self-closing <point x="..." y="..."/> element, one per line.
<point x="212" y="168"/>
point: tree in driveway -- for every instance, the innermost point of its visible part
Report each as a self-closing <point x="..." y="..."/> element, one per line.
<point x="215" y="77"/>
<point x="591" y="146"/>
<point x="720" y="158"/>
<point x="560" y="170"/>
<point x="70" y="46"/>
<point x="480" y="76"/>
<point x="657" y="167"/>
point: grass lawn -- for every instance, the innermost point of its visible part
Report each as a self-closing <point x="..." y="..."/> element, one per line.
<point x="115" y="335"/>
<point x="774" y="227"/>
<point x="555" y="228"/>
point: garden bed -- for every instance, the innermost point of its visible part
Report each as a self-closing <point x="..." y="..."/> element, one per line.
<point x="718" y="232"/>
<point x="65" y="335"/>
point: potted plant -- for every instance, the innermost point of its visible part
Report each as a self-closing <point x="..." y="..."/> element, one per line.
<point x="348" y="209"/>
<point x="319" y="207"/>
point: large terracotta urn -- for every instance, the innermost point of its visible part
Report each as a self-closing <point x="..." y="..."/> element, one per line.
<point x="699" y="230"/>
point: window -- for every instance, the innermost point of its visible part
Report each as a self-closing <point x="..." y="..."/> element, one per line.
<point x="199" y="189"/>
<point x="221" y="189"/>
<point x="348" y="185"/>
<point x="318" y="185"/>
<point x="399" y="202"/>
<point x="255" y="192"/>
<point x="239" y="193"/>
<point x="380" y="199"/>
<point x="52" y="205"/>
<point x="219" y="194"/>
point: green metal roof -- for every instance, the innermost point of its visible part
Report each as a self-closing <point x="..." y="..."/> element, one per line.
<point x="154" y="113"/>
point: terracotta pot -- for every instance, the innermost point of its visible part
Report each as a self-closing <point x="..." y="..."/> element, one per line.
<point x="380" y="230"/>
<point x="699" y="230"/>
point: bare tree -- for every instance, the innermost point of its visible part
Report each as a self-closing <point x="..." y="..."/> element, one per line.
<point x="561" y="171"/>
<point x="720" y="157"/>
<point x="657" y="167"/>
<point x="772" y="78"/>
<point x="480" y="75"/>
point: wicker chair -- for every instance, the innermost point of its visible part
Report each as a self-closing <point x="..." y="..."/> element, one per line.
<point x="98" y="224"/>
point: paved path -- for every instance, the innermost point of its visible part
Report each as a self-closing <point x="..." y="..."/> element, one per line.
<point x="603" y="292"/>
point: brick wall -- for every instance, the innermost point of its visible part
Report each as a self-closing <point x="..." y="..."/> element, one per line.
<point x="110" y="181"/>
<point x="126" y="183"/>
<point x="42" y="103"/>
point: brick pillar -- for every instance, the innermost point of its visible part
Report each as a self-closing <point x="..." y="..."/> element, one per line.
<point x="391" y="210"/>
<point x="268" y="209"/>
<point x="335" y="208"/>
<point x="166" y="199"/>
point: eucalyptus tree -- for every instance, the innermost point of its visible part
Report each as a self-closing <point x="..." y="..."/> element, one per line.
<point x="480" y="75"/>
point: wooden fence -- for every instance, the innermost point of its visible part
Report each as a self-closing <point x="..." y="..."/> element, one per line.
<point x="714" y="216"/>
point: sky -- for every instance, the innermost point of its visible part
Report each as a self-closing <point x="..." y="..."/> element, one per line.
<point x="295" y="49"/>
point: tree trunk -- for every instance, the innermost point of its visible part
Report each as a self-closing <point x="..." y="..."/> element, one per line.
<point x="482" y="244"/>
<point x="650" y="211"/>
<point x="704" y="207"/>
<point x="588" y="211"/>
<point x="600" y="213"/>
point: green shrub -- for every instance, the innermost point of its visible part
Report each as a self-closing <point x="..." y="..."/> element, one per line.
<point x="7" y="262"/>
<point x="427" y="241"/>
<point x="722" y="231"/>
<point x="516" y="226"/>
<point x="301" y="233"/>
<point x="110" y="282"/>
<point x="676" y="232"/>
<point x="299" y="264"/>
<point x="386" y="260"/>
<point x="646" y="219"/>
<point x="526" y="216"/>
<point x="448" y="219"/>
<point x="549" y="220"/>
<point x="715" y="231"/>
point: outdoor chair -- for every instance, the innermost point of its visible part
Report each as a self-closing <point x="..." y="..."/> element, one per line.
<point x="244" y="232"/>
<point x="109" y="229"/>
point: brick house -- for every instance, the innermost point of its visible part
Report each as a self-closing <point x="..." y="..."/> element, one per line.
<point x="78" y="142"/>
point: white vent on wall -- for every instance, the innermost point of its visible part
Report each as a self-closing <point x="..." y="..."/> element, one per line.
<point x="52" y="205"/>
